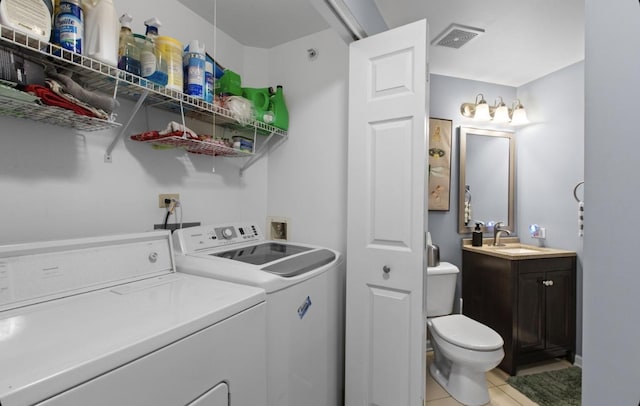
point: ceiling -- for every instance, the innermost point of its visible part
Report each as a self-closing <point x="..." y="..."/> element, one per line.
<point x="523" y="40"/>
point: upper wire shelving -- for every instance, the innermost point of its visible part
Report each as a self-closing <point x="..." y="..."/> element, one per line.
<point x="95" y="75"/>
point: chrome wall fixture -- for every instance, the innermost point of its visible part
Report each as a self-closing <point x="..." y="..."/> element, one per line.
<point x="480" y="110"/>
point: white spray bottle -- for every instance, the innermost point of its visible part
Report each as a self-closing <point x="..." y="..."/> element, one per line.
<point x="101" y="31"/>
<point x="159" y="75"/>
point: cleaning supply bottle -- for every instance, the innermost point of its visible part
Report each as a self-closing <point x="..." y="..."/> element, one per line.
<point x="101" y="29"/>
<point x="29" y="16"/>
<point x="171" y="51"/>
<point x="152" y="25"/>
<point x="194" y="69"/>
<point x="261" y="100"/>
<point x="209" y="79"/>
<point x="279" y="109"/>
<point x="476" y="236"/>
<point x="128" y="52"/>
<point x="147" y="55"/>
<point x="154" y="66"/>
<point x="69" y="23"/>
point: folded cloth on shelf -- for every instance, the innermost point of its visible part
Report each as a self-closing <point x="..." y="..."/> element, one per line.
<point x="147" y="136"/>
<point x="174" y="127"/>
<point x="173" y="130"/>
<point x="56" y="87"/>
<point x="96" y="99"/>
<point x="50" y="98"/>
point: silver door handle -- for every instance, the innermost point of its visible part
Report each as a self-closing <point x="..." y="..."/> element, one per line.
<point x="386" y="269"/>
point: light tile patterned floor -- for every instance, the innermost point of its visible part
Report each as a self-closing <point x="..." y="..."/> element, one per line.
<point x="500" y="392"/>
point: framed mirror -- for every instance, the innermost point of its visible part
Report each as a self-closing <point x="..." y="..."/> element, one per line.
<point x="486" y="178"/>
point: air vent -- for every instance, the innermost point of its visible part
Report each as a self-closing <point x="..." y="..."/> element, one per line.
<point x="456" y="35"/>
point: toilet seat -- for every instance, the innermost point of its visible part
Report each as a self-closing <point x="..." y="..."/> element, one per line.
<point x="467" y="333"/>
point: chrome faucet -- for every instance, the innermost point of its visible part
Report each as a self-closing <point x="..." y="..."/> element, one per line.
<point x="497" y="232"/>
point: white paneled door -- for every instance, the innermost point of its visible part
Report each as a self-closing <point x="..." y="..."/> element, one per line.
<point x="385" y="332"/>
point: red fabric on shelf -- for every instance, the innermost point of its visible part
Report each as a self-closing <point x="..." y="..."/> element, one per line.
<point x="50" y="98"/>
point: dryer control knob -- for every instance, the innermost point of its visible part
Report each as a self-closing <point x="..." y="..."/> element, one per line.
<point x="227" y="233"/>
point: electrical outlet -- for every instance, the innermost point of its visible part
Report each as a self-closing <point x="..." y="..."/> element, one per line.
<point x="161" y="197"/>
<point x="278" y="228"/>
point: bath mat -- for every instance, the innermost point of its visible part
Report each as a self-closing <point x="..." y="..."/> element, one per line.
<point x="554" y="388"/>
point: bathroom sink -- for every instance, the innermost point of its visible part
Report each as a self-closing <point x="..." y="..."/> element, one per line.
<point x="517" y="250"/>
<point x="513" y="250"/>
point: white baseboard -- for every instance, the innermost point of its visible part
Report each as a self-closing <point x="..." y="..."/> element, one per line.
<point x="578" y="361"/>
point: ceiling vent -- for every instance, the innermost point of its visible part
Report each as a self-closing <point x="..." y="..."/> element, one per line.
<point x="456" y="35"/>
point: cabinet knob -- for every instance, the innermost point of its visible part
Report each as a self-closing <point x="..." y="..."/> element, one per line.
<point x="547" y="283"/>
<point x="386" y="269"/>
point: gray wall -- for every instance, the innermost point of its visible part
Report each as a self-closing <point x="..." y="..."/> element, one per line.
<point x="549" y="160"/>
<point x="550" y="163"/>
<point x="447" y="94"/>
<point x="611" y="276"/>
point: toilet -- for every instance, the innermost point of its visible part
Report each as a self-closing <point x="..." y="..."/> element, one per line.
<point x="464" y="349"/>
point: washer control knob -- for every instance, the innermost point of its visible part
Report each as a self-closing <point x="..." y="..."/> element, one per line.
<point x="153" y="257"/>
<point x="227" y="233"/>
<point x="386" y="269"/>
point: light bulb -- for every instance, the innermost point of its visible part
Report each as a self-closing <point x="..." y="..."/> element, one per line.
<point x="501" y="114"/>
<point x="482" y="112"/>
<point x="519" y="116"/>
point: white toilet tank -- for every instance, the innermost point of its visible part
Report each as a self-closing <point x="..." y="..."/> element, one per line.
<point x="440" y="289"/>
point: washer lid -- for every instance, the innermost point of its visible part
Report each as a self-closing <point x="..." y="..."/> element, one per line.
<point x="302" y="263"/>
<point x="262" y="254"/>
<point x="467" y="333"/>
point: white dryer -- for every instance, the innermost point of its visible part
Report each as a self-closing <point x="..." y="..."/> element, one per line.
<point x="305" y="304"/>
<point x="107" y="321"/>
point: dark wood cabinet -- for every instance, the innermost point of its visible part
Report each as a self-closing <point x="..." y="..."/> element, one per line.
<point x="531" y="303"/>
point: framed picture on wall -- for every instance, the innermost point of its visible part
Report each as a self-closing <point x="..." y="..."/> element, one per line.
<point x="439" y="181"/>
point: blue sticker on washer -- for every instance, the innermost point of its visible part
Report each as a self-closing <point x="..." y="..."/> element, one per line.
<point x="302" y="310"/>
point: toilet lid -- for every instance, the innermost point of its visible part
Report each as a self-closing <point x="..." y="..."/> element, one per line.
<point x="467" y="333"/>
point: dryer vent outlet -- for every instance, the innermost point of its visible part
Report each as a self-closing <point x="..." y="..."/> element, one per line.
<point x="278" y="228"/>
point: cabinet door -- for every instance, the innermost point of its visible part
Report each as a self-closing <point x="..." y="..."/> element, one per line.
<point x="559" y="302"/>
<point x="530" y="326"/>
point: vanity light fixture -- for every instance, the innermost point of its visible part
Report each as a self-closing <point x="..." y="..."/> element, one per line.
<point x="498" y="113"/>
<point x="518" y="114"/>
<point x="478" y="110"/>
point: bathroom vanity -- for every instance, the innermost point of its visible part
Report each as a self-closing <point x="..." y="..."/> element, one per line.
<point x="525" y="293"/>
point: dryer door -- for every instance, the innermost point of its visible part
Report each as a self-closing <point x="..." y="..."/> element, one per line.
<point x="217" y="396"/>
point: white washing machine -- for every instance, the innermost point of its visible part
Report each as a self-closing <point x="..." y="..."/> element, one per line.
<point x="305" y="304"/>
<point x="107" y="321"/>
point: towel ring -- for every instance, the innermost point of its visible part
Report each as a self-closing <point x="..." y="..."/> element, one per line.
<point x="575" y="191"/>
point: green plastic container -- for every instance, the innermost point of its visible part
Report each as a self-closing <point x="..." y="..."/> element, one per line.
<point x="229" y="84"/>
<point x="261" y="100"/>
<point x="279" y="109"/>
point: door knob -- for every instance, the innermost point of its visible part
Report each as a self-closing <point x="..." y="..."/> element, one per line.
<point x="386" y="269"/>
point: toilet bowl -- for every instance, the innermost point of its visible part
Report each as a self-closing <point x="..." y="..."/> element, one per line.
<point x="464" y="351"/>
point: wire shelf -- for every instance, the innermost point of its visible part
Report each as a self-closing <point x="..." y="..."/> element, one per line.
<point x="198" y="147"/>
<point x="95" y="75"/>
<point x="52" y="115"/>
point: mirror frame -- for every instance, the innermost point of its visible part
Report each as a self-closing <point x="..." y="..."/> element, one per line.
<point x="463" y="133"/>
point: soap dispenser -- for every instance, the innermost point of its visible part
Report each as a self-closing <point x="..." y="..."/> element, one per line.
<point x="476" y="236"/>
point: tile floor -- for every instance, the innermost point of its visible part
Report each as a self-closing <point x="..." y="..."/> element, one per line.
<point x="499" y="390"/>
